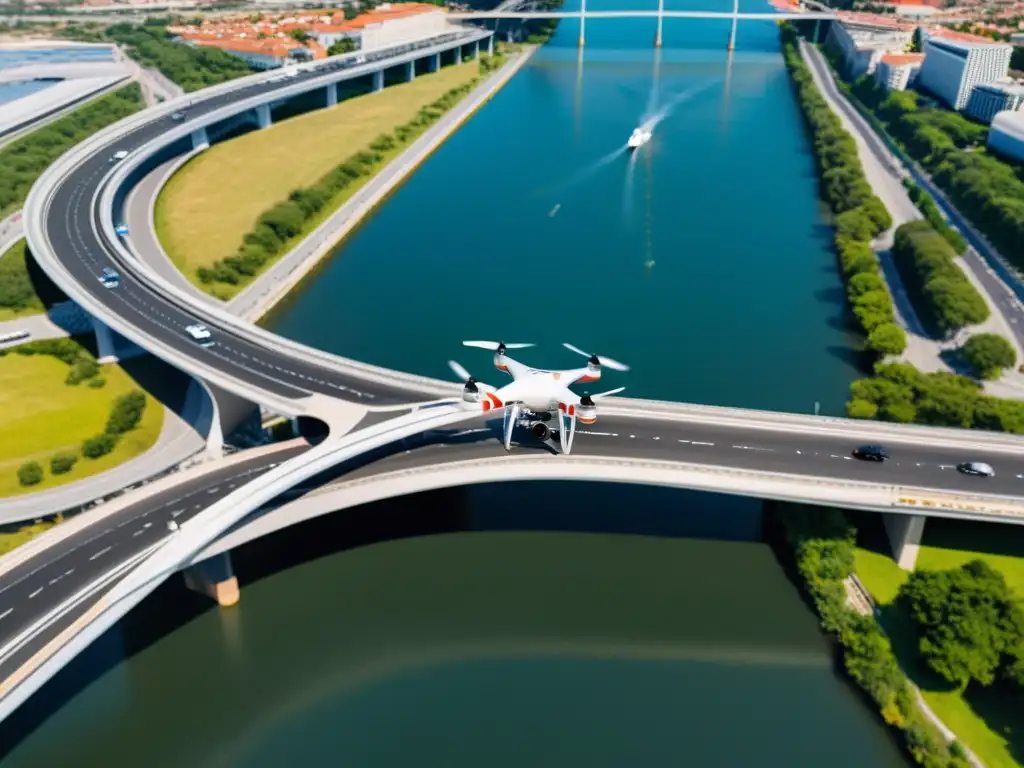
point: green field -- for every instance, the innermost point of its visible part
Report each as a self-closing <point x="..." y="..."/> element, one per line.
<point x="44" y="416"/>
<point x="261" y="168"/>
<point x="17" y="295"/>
<point x="991" y="725"/>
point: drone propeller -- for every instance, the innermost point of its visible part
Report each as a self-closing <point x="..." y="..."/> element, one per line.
<point x="462" y="373"/>
<point x="607" y="362"/>
<point x="495" y="346"/>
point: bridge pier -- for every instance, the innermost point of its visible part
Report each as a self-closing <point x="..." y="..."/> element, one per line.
<point x="263" y="119"/>
<point x="817" y="28"/>
<point x="200" y="139"/>
<point x="661" y="12"/>
<point x="732" y="32"/>
<point x="410" y="71"/>
<point x="225" y="414"/>
<point x="435" y="62"/>
<point x="905" y="533"/>
<point x="214" y="578"/>
<point x="108" y="350"/>
<point x="378" y="80"/>
<point x="490" y="45"/>
<point x="476" y="50"/>
<point x="583" y="23"/>
<point x="331" y="92"/>
<point x="457" y="52"/>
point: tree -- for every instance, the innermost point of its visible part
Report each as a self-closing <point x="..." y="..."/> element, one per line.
<point x="344" y="45"/>
<point x="62" y="463"/>
<point x="989" y="354"/>
<point x="887" y="339"/>
<point x="968" y="623"/>
<point x="299" y="35"/>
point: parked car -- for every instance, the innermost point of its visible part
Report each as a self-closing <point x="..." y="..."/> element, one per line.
<point x="979" y="468"/>
<point x="870" y="453"/>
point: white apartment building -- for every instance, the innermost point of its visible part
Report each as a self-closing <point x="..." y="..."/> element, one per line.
<point x="954" y="64"/>
<point x="898" y="71"/>
<point x="989" y="99"/>
<point x="863" y="39"/>
<point x="1006" y="136"/>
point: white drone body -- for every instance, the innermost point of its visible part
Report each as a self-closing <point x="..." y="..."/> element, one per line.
<point x="535" y="396"/>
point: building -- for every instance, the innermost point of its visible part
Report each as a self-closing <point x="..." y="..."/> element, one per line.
<point x="862" y="39"/>
<point x="898" y="71"/>
<point x="262" y="54"/>
<point x="1017" y="39"/>
<point x="989" y="99"/>
<point x="956" y="62"/>
<point x="1006" y="136"/>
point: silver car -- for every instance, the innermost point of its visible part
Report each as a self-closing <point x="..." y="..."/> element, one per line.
<point x="976" y="468"/>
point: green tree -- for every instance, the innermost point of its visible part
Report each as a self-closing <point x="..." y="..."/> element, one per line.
<point x="989" y="354"/>
<point x="344" y="45"/>
<point x="887" y="339"/>
<point x="62" y="463"/>
<point x="30" y="473"/>
<point x="968" y="622"/>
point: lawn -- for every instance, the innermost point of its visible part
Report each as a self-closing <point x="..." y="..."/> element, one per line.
<point x="17" y="295"/>
<point x="213" y="201"/>
<point x="991" y="725"/>
<point x="45" y="416"/>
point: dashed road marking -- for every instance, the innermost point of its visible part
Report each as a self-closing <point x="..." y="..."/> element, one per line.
<point x="6" y="613"/>
<point x="35" y="593"/>
<point x="101" y="553"/>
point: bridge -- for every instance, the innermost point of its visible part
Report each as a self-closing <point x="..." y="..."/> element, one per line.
<point x="62" y="590"/>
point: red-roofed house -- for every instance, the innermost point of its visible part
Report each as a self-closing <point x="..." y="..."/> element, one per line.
<point x="897" y="71"/>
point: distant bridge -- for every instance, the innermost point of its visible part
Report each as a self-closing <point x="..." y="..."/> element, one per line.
<point x="525" y="12"/>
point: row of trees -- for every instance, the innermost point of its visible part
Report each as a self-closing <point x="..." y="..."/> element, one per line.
<point x="822" y="542"/>
<point x="926" y="205"/>
<point x="125" y="415"/>
<point x="900" y="393"/>
<point x="945" y="299"/>
<point x="985" y="188"/>
<point x="277" y="227"/>
<point x="23" y="160"/>
<point x="859" y="215"/>
<point x="16" y="290"/>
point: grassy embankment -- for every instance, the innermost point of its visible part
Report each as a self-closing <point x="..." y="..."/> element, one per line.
<point x="992" y="727"/>
<point x="261" y="168"/>
<point x="45" y="417"/>
<point x="17" y="296"/>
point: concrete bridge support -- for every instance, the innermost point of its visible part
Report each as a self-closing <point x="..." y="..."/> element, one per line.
<point x="111" y="346"/>
<point x="735" y="20"/>
<point x="905" y="533"/>
<point x="215" y="578"/>
<point x="227" y="412"/>
<point x="378" y="80"/>
<point x="490" y="45"/>
<point x="331" y="92"/>
<point x="200" y="139"/>
<point x="661" y="19"/>
<point x="435" y="62"/>
<point x="263" y="119"/>
<point x="476" y="49"/>
<point x="583" y="24"/>
<point x="410" y="71"/>
<point x="458" y="54"/>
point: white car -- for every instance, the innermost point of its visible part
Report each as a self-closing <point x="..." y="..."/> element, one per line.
<point x="200" y="334"/>
<point x="118" y="156"/>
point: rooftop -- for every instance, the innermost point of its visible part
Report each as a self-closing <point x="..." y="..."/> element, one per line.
<point x="903" y="59"/>
<point x="944" y="33"/>
<point x="877" y="20"/>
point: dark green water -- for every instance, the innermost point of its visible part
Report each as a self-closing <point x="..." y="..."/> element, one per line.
<point x="535" y="647"/>
<point x="742" y="305"/>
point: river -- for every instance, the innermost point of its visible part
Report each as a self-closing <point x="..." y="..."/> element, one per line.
<point x="534" y="624"/>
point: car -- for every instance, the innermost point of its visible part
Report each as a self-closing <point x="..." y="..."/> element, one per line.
<point x="118" y="156"/>
<point x="110" y="278"/>
<point x="121" y="230"/>
<point x="870" y="453"/>
<point x="178" y="117"/>
<point x="979" y="468"/>
<point x="200" y="334"/>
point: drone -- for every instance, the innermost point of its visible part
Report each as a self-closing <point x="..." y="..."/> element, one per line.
<point x="536" y="395"/>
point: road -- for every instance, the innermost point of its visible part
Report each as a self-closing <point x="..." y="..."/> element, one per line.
<point x="73" y="230"/>
<point x="36" y="587"/>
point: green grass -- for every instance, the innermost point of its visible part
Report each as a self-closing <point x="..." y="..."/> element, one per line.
<point x="44" y="416"/>
<point x="990" y="723"/>
<point x="13" y="539"/>
<point x="261" y="168"/>
<point x="17" y="294"/>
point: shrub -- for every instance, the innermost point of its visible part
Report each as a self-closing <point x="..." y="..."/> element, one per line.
<point x="989" y="355"/>
<point x="126" y="413"/>
<point x="62" y="463"/>
<point x="96" y="382"/>
<point x="100" y="445"/>
<point x="83" y="368"/>
<point x="30" y="474"/>
<point x="887" y="339"/>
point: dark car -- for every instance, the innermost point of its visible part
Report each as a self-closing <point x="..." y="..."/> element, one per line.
<point x="870" y="453"/>
<point x="178" y="117"/>
<point x="978" y="468"/>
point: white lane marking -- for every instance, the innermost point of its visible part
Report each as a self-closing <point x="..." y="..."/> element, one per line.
<point x="753" y="448"/>
<point x="101" y="553"/>
<point x="684" y="441"/>
<point x="947" y="466"/>
<point x="6" y="613"/>
<point x="35" y="593"/>
<point x="697" y="442"/>
<point x="139" y="532"/>
<point x="213" y="490"/>
<point x="633" y="436"/>
<point x="177" y="512"/>
<point x="68" y="573"/>
<point x="598" y="434"/>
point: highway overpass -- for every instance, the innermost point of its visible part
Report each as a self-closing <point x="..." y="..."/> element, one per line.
<point x="70" y="219"/>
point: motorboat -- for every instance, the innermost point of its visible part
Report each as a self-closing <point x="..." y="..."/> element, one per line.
<point x="639" y="137"/>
